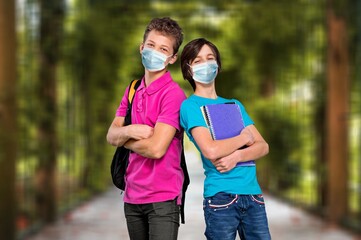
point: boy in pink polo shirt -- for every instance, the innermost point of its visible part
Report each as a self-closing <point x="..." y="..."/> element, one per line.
<point x="154" y="177"/>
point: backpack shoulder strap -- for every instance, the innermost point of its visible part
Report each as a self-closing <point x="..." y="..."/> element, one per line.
<point x="133" y="86"/>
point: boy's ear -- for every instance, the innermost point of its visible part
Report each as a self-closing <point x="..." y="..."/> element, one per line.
<point x="141" y="48"/>
<point x="173" y="58"/>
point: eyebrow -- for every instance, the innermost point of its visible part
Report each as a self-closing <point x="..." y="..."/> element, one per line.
<point x="153" y="42"/>
<point x="149" y="41"/>
<point x="208" y="55"/>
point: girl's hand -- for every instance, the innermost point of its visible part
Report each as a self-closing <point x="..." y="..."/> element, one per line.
<point x="227" y="163"/>
<point x="248" y="136"/>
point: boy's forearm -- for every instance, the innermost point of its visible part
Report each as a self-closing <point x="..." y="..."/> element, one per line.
<point x="153" y="145"/>
<point x="144" y="147"/>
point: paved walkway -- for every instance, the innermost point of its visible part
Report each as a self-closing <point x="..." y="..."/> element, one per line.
<point x="103" y="219"/>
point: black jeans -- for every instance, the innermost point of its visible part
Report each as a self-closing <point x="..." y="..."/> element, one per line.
<point x="153" y="221"/>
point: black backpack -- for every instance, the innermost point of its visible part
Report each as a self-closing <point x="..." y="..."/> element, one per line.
<point x="119" y="163"/>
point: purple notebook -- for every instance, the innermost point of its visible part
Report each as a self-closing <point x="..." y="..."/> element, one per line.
<point x="224" y="120"/>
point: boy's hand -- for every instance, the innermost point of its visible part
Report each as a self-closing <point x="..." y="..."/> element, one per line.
<point x="139" y="131"/>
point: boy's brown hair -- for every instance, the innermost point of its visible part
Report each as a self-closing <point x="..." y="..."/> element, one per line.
<point x="167" y="27"/>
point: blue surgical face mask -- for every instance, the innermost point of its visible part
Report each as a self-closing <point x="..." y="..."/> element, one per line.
<point x="153" y="60"/>
<point x="205" y="72"/>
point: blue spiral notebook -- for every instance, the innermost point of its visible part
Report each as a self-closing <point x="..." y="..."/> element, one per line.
<point x="224" y="120"/>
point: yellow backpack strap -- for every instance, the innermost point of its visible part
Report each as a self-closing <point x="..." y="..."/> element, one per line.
<point x="132" y="90"/>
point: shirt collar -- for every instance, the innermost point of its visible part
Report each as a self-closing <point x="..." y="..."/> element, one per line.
<point x="157" y="84"/>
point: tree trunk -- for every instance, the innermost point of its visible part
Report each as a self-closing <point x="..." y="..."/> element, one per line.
<point x="321" y="151"/>
<point x="337" y="111"/>
<point x="8" y="130"/>
<point x="52" y="14"/>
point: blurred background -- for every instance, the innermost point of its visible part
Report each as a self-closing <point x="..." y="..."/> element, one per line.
<point x="64" y="65"/>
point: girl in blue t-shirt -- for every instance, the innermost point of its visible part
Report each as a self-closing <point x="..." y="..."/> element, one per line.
<point x="233" y="200"/>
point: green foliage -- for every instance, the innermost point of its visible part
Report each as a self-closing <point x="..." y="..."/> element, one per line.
<point x="281" y="129"/>
<point x="98" y="41"/>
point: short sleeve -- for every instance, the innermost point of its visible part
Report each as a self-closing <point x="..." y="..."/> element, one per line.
<point x="191" y="116"/>
<point x="171" y="104"/>
<point x="122" y="109"/>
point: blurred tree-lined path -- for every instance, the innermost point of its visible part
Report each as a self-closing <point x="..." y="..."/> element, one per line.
<point x="8" y="132"/>
<point x="65" y="64"/>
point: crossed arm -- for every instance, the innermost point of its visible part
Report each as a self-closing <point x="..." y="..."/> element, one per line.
<point x="225" y="154"/>
<point x="141" y="138"/>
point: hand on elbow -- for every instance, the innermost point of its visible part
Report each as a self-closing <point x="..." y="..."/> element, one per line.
<point x="112" y="142"/>
<point x="247" y="136"/>
<point x="139" y="131"/>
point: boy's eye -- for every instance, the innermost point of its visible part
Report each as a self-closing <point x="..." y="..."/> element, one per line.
<point x="165" y="50"/>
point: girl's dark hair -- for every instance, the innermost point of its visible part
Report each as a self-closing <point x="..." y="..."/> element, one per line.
<point x="190" y="52"/>
<point x="168" y="27"/>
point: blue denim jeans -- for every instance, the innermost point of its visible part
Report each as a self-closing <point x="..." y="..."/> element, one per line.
<point x="153" y="221"/>
<point x="226" y="214"/>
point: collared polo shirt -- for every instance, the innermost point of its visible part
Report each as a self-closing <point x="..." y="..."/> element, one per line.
<point x="155" y="180"/>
